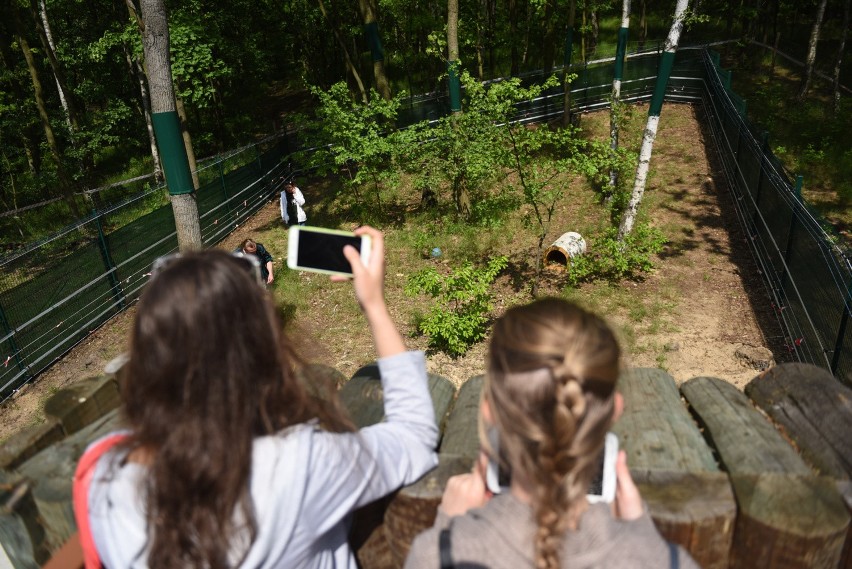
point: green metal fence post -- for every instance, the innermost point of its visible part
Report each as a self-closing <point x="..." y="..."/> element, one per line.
<point x="764" y="144"/>
<point x="114" y="283"/>
<point x="798" y="191"/>
<point x="16" y="351"/>
<point x="841" y="332"/>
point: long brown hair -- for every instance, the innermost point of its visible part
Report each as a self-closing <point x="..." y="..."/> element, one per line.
<point x="209" y="371"/>
<point x="552" y="368"/>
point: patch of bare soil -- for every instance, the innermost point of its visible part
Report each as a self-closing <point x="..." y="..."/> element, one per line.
<point x="702" y="312"/>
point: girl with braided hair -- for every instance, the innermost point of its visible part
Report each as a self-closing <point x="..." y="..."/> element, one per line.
<point x="549" y="394"/>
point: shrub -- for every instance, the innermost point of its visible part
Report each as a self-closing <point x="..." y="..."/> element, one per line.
<point x="613" y="260"/>
<point x="462" y="302"/>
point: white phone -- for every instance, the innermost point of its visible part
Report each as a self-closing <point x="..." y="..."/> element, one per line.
<point x="321" y="250"/>
<point x="602" y="488"/>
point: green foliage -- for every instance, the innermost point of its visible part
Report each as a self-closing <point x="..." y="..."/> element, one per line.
<point x="356" y="138"/>
<point x="462" y="303"/>
<point x="611" y="260"/>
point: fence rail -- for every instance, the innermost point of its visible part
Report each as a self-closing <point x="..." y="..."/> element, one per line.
<point x="56" y="292"/>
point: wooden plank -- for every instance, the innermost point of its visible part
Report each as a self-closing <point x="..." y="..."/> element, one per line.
<point x="813" y="409"/>
<point x="20" y="533"/>
<point x="461" y="435"/>
<point x="51" y="472"/>
<point x="27" y="442"/>
<point x="363" y="397"/>
<point x="788" y="517"/>
<point x="84" y="402"/>
<point x="688" y="497"/>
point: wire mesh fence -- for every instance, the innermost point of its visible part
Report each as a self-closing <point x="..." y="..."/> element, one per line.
<point x="56" y="292"/>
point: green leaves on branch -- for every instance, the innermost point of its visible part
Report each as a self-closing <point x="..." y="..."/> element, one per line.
<point x="612" y="260"/>
<point x="463" y="301"/>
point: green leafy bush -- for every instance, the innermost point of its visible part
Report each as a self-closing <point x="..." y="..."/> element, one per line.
<point x="613" y="260"/>
<point x="462" y="302"/>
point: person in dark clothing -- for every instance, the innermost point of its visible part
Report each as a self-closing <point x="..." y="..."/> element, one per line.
<point x="251" y="247"/>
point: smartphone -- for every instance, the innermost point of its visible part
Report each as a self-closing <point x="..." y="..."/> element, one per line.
<point x="497" y="479"/>
<point x="321" y="250"/>
<point x="602" y="488"/>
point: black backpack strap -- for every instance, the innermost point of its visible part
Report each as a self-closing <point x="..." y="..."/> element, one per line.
<point x="444" y="544"/>
<point x="674" y="559"/>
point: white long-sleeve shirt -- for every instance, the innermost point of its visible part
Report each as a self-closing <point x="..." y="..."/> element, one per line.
<point x="299" y="200"/>
<point x="305" y="482"/>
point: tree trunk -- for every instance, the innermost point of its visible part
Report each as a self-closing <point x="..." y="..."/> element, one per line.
<point x="50" y="48"/>
<point x="66" y="186"/>
<point x="616" y="88"/>
<point x="137" y="71"/>
<point x="566" y="69"/>
<point x="155" y="42"/>
<point x="812" y="49"/>
<point x="453" y="63"/>
<point x="549" y="41"/>
<point x="629" y="216"/>
<point x="347" y="60"/>
<point x="839" y="60"/>
<point x="514" y="55"/>
<point x="187" y="142"/>
<point x="369" y="11"/>
<point x="643" y="26"/>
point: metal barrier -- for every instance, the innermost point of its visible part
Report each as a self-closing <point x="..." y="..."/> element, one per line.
<point x="56" y="292"/>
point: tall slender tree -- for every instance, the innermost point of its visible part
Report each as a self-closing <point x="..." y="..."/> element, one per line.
<point x="616" y="86"/>
<point x="155" y="42"/>
<point x="666" y="62"/>
<point x="369" y="11"/>
<point x="844" y="32"/>
<point x="812" y="50"/>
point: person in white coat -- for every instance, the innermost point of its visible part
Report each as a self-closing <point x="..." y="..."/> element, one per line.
<point x="292" y="201"/>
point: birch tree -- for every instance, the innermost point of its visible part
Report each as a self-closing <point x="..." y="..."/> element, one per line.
<point x="629" y="216"/>
<point x="155" y="43"/>
<point x="837" y="62"/>
<point x="614" y="114"/>
<point x="812" y="50"/>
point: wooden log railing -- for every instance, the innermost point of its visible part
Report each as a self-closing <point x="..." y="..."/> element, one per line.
<point x="754" y="479"/>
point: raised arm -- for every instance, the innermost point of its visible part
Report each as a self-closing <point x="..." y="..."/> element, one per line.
<point x="370" y="292"/>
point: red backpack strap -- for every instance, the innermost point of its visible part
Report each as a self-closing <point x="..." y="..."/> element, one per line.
<point x="80" y="493"/>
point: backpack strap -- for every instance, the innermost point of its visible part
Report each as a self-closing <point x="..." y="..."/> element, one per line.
<point x="674" y="559"/>
<point x="445" y="547"/>
<point x="80" y="493"/>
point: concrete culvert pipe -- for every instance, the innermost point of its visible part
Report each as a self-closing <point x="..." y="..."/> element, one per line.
<point x="568" y="246"/>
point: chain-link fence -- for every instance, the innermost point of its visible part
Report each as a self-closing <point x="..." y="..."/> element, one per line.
<point x="53" y="294"/>
<point x="56" y="292"/>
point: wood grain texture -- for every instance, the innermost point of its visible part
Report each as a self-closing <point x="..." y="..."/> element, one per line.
<point x="27" y="442"/>
<point x="20" y="533"/>
<point x="83" y="403"/>
<point x="813" y="409"/>
<point x="364" y="399"/>
<point x="689" y="498"/>
<point x="51" y="472"/>
<point x="788" y="517"/>
<point x="461" y="435"/>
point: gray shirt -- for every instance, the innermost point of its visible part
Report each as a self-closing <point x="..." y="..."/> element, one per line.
<point x="305" y="482"/>
<point x="501" y="535"/>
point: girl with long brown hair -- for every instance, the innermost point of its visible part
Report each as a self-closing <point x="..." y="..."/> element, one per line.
<point x="549" y="394"/>
<point x="231" y="460"/>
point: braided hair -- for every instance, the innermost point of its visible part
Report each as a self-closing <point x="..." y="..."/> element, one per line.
<point x="552" y="368"/>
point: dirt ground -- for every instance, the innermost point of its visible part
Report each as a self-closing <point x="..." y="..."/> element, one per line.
<point x="715" y="303"/>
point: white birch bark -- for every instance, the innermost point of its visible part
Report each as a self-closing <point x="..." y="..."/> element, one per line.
<point x="812" y="50"/>
<point x="616" y="98"/>
<point x="628" y="218"/>
<point x="42" y="10"/>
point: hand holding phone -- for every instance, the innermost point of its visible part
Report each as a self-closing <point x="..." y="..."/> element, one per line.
<point x="602" y="488"/>
<point x="320" y="250"/>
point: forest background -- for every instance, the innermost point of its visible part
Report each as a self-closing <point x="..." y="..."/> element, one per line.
<point x="73" y="115"/>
